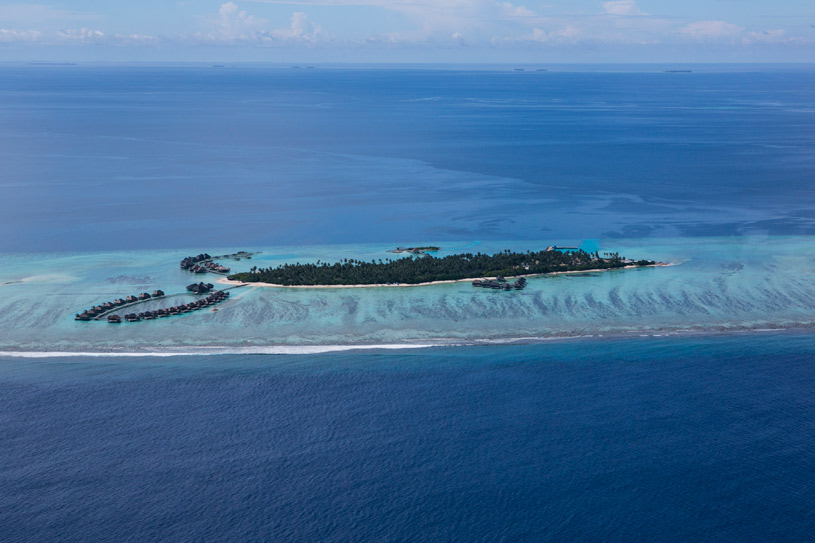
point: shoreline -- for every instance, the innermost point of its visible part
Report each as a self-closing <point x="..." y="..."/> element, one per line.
<point x="717" y="332"/>
<point x="226" y="281"/>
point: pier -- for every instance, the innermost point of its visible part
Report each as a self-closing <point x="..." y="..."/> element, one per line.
<point x="202" y="263"/>
<point x="110" y="310"/>
<point x="99" y="311"/>
<point x="215" y="298"/>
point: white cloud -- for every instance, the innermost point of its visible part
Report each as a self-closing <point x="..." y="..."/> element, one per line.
<point x="237" y="24"/>
<point x="431" y="24"/>
<point x="390" y="4"/>
<point x="622" y="7"/>
<point x="89" y="36"/>
<point x="81" y="35"/>
<point x="538" y="35"/>
<point x="710" y="30"/>
<point x="562" y="35"/>
<point x="36" y="23"/>
<point x="776" y="36"/>
<point x="439" y="18"/>
<point x="135" y="39"/>
<point x="74" y="36"/>
<point x="301" y="28"/>
<point x="8" y="35"/>
<point x="621" y="23"/>
<point x="511" y="10"/>
<point x="568" y="32"/>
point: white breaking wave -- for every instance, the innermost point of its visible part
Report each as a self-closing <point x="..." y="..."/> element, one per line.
<point x="439" y="343"/>
<point x="272" y="349"/>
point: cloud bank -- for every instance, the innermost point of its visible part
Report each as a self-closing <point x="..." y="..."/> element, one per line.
<point x="428" y="24"/>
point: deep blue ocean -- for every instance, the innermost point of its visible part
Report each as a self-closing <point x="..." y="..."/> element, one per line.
<point x="705" y="439"/>
<point x="104" y="158"/>
<point x="679" y="409"/>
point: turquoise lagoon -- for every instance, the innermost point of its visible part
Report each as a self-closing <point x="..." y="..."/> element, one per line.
<point x="714" y="284"/>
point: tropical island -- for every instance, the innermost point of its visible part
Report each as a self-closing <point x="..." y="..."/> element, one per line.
<point x="417" y="270"/>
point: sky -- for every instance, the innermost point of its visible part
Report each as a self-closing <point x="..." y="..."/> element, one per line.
<point x="424" y="31"/>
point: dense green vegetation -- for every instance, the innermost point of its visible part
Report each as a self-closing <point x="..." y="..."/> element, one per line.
<point x="423" y="269"/>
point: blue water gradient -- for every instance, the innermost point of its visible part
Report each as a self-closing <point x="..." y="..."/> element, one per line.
<point x="118" y="158"/>
<point x="113" y="174"/>
<point x="661" y="439"/>
<point x="712" y="285"/>
<point x="672" y="417"/>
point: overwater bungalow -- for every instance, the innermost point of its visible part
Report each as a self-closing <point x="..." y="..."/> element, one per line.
<point x="190" y="261"/>
<point x="218" y="268"/>
<point x="200" y="288"/>
<point x="212" y="298"/>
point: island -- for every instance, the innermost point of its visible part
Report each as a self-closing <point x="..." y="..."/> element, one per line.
<point x="485" y="271"/>
<point x="426" y="269"/>
<point x="416" y="250"/>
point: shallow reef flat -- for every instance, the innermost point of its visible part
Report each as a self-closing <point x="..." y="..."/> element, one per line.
<point x="714" y="285"/>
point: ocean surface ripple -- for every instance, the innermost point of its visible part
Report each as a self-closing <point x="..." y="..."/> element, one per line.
<point x="664" y="439"/>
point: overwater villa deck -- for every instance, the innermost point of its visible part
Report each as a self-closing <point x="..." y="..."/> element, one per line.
<point x="216" y="297"/>
<point x="99" y="311"/>
<point x="102" y="311"/>
<point x="204" y="263"/>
